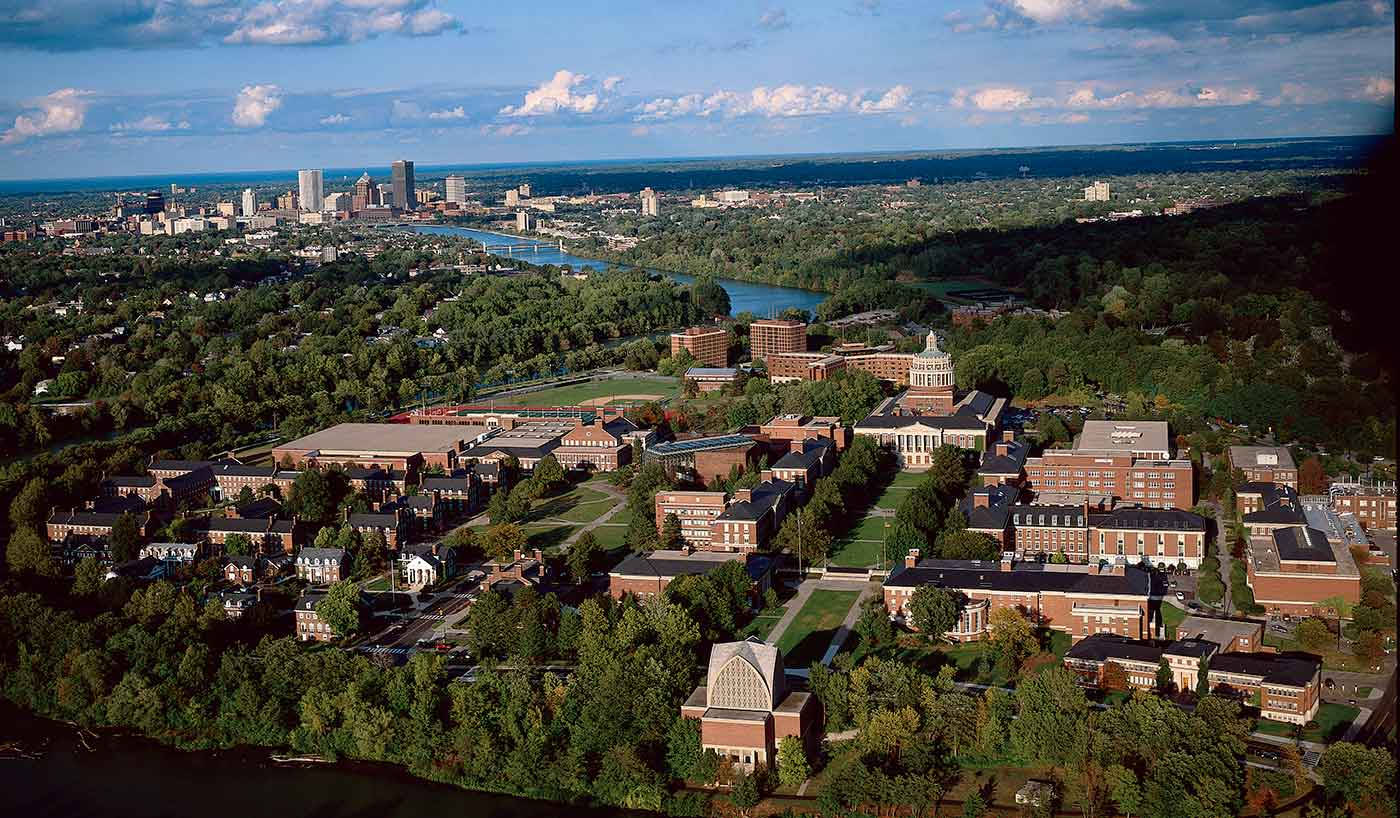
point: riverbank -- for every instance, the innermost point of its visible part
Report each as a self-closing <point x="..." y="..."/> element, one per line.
<point x="118" y="775"/>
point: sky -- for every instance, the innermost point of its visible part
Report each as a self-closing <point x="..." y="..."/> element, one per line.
<point x="119" y="87"/>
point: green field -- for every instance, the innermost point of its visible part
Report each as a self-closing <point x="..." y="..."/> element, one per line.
<point x="1171" y="617"/>
<point x="1332" y="721"/>
<point x="892" y="497"/>
<point x="547" y="535"/>
<point x="577" y="505"/>
<point x="761" y="626"/>
<point x="610" y="536"/>
<point x="807" y="638"/>
<point x="578" y="393"/>
<point x="856" y="554"/>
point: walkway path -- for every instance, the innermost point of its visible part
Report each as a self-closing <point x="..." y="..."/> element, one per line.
<point x="848" y="624"/>
<point x="1222" y="551"/>
<point x="804" y="590"/>
<point x="613" y="492"/>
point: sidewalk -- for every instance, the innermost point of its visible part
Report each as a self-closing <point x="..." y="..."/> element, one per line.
<point x="847" y="624"/>
<point x="804" y="590"/>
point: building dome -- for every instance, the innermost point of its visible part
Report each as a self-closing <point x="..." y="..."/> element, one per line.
<point x="931" y="349"/>
<point x="931" y="368"/>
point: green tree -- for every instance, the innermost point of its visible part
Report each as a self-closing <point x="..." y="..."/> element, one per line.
<point x="671" y="532"/>
<point x="582" y="556"/>
<point x="683" y="751"/>
<point x="934" y="611"/>
<point x="27" y="553"/>
<point x="1313" y="634"/>
<point x="340" y="608"/>
<point x="1359" y="777"/>
<point x="1010" y="635"/>
<point x="503" y="540"/>
<point x="238" y="545"/>
<point x="1164" y="678"/>
<point x="711" y="298"/>
<point x="1123" y="788"/>
<point x="312" y="497"/>
<point x="793" y="768"/>
<point x="126" y="538"/>
<point x="974" y="806"/>
<point x="548" y="472"/>
<point x="744" y="794"/>
<point x="87" y="577"/>
<point x="1051" y="713"/>
<point x="1203" y="678"/>
<point x="873" y="625"/>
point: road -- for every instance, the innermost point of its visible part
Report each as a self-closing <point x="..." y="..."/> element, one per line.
<point x="1376" y="731"/>
<point x="447" y="607"/>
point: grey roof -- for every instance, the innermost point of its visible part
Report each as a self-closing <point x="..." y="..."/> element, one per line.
<point x="243" y="470"/>
<point x="130" y="481"/>
<point x="521" y="452"/>
<point x="240" y="525"/>
<point x="241" y="561"/>
<point x="1242" y="456"/>
<point x="766" y="659"/>
<point x="763" y="497"/>
<point x="1280" y="504"/>
<point x="89" y="518"/>
<point x="805" y="459"/>
<point x="385" y="438"/>
<point x="1137" y="519"/>
<point x="374" y="520"/>
<point x="711" y="372"/>
<point x="1005" y="464"/>
<point x="976" y="403"/>
<point x="1027" y="577"/>
<point x="322" y="554"/>
<point x="179" y="465"/>
<point x="449" y="484"/>
<point x="945" y="422"/>
<point x="996" y="514"/>
<point x="1292" y="669"/>
<point x="1198" y="648"/>
<point x="1103" y="647"/>
<point x="1123" y="437"/>
<point x="700" y="444"/>
<point x="679" y="564"/>
<point x="1049" y="515"/>
<point x="1303" y="544"/>
<point x="424" y="501"/>
<point x="308" y="602"/>
<point x="262" y="507"/>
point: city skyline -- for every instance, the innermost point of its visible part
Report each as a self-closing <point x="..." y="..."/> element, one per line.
<point x="736" y="79"/>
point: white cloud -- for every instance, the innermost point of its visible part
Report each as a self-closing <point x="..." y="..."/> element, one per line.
<point x="60" y="112"/>
<point x="1184" y="97"/>
<point x="1064" y="11"/>
<point x="556" y="96"/>
<point x="774" y="20"/>
<point x="149" y="124"/>
<point x="311" y="22"/>
<point x="402" y="109"/>
<point x="254" y="104"/>
<point x="895" y="99"/>
<point x="781" y="102"/>
<point x="1378" y="89"/>
<point x="999" y="98"/>
<point x="508" y="129"/>
<point x="335" y="119"/>
<point x="451" y="113"/>
<point x="611" y="82"/>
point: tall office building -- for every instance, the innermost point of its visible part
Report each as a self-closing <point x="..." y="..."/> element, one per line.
<point x="512" y="198"/>
<point x="651" y="203"/>
<point x="386" y="195"/>
<point x="155" y="202"/>
<point x="1097" y="192"/>
<point x="366" y="192"/>
<point x="250" y="202"/>
<point x="457" y="189"/>
<point x="311" y="189"/>
<point x="336" y="201"/>
<point x="405" y="197"/>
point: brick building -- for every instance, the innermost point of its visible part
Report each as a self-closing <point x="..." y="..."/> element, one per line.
<point x="1004" y="461"/>
<point x="309" y="624"/>
<point x="770" y="336"/>
<point x="377" y="484"/>
<point x="702" y="459"/>
<point x="92" y="524"/>
<point x="752" y="517"/>
<point x="1265" y="464"/>
<point x="711" y="379"/>
<point x="457" y="495"/>
<point x="745" y="707"/>
<point x="230" y="478"/>
<point x="389" y="524"/>
<point x="1372" y="503"/>
<point x="1126" y="461"/>
<point x="696" y="510"/>
<point x="1288" y="686"/>
<point x="805" y="463"/>
<point x="646" y="575"/>
<point x="803" y="427"/>
<point x="709" y="346"/>
<point x="1079" y="600"/>
<point x="915" y="438"/>
<point x="1296" y="570"/>
<point x="156" y="491"/>
<point x="786" y="367"/>
<point x="403" y="447"/>
<point x="321" y="566"/>
<point x="598" y="444"/>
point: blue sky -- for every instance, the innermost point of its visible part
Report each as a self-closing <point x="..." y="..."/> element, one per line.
<point x="107" y="87"/>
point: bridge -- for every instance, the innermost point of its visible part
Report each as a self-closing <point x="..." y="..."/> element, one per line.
<point x="521" y="247"/>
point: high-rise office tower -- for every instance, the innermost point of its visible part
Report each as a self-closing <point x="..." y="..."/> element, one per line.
<point x="651" y="203"/>
<point x="366" y="193"/>
<point x="386" y="195"/>
<point x="311" y="189"/>
<point x="405" y="197"/>
<point x="250" y="202"/>
<point x="155" y="202"/>
<point x="457" y="189"/>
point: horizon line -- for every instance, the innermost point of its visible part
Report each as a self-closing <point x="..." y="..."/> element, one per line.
<point x="438" y="165"/>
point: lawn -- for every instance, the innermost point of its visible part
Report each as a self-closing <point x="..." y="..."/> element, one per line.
<point x="856" y="554"/>
<point x="1332" y="659"/>
<point x="576" y="394"/>
<point x="1332" y="721"/>
<point x="761" y="626"/>
<point x="892" y="497"/>
<point x="546" y="535"/>
<point x="610" y="536"/>
<point x="577" y="505"/>
<point x="1172" y="616"/>
<point x="807" y="638"/>
<point x="964" y="656"/>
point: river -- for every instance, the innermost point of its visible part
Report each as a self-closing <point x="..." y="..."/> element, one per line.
<point x="136" y="777"/>
<point x="744" y="296"/>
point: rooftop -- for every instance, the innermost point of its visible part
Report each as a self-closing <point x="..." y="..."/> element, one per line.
<point x="386" y="438"/>
<point x="1023" y="577"/>
<point x="1146" y="437"/>
<point x="1256" y="456"/>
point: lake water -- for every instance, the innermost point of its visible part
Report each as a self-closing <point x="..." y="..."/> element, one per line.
<point x="135" y="777"/>
<point x="744" y="296"/>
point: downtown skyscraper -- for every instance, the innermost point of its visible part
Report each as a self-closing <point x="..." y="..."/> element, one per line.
<point x="311" y="189"/>
<point x="405" y="197"/>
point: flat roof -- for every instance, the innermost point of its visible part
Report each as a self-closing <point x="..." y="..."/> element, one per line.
<point x="385" y="438"/>
<point x="1274" y="457"/>
<point x="1123" y="437"/>
<point x="1219" y="631"/>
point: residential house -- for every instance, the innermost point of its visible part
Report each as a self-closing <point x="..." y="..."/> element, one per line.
<point x="321" y="566"/>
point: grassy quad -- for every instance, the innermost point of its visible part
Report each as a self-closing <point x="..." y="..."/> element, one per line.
<point x="860" y="548"/>
<point x="576" y="394"/>
<point x="808" y="636"/>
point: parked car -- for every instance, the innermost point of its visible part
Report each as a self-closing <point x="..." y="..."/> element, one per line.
<point x="1180" y="596"/>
